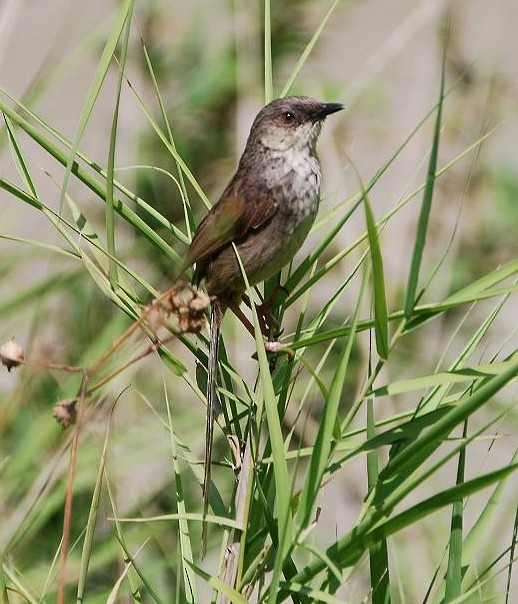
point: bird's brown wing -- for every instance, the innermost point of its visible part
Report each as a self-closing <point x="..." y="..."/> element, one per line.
<point x="229" y="220"/>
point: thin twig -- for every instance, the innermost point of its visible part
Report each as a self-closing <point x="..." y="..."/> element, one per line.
<point x="70" y="487"/>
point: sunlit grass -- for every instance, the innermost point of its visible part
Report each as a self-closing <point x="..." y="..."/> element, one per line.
<point x="135" y="489"/>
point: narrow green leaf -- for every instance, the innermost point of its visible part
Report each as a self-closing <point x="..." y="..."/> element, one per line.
<point x="422" y="227"/>
<point x="223" y="588"/>
<point x="19" y="158"/>
<point x="443" y="378"/>
<point x="307" y="51"/>
<point x="189" y="582"/>
<point x="380" y="299"/>
<point x="95" y="89"/>
<point x="453" y="582"/>
<point x="378" y="553"/>
<point x="347" y="550"/>
<point x="110" y="200"/>
<point x="268" y="77"/>
<point x="479" y="534"/>
<point x="432" y="438"/>
<point x="91" y="523"/>
<point x="439" y="502"/>
<point x="171" y="148"/>
<point x="83" y="175"/>
<point x="512" y="559"/>
<point x="189" y="220"/>
<point x="325" y="441"/>
<point x="4" y="599"/>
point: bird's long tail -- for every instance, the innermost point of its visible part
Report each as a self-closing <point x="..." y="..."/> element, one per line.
<point x="215" y="323"/>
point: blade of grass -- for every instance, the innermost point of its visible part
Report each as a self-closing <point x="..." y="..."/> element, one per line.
<point x="296" y="277"/>
<point x="282" y="480"/>
<point x="443" y="378"/>
<point x="91" y="523"/>
<point x="95" y="89"/>
<point x="307" y="50"/>
<point x="347" y="550"/>
<point x="434" y="436"/>
<point x="87" y="160"/>
<point x="189" y="219"/>
<point x="19" y="158"/>
<point x="378" y="554"/>
<point x="325" y="440"/>
<point x="453" y="582"/>
<point x="189" y="580"/>
<point x="380" y="299"/>
<point x="222" y="587"/>
<point x="512" y="549"/>
<point x="132" y="569"/>
<point x="4" y="599"/>
<point x="479" y="533"/>
<point x="268" y="77"/>
<point x="110" y="206"/>
<point x="268" y="401"/>
<point x="113" y="597"/>
<point x="422" y="227"/>
<point x="170" y="147"/>
<point x="93" y="184"/>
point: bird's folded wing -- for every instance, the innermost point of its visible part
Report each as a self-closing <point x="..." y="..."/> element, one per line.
<point x="229" y="220"/>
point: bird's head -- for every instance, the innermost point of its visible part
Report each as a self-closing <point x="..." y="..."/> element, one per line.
<point x="291" y="122"/>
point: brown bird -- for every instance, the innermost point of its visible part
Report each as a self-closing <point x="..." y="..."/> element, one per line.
<point x="264" y="213"/>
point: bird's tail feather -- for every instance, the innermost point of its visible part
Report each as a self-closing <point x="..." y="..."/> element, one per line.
<point x="215" y="322"/>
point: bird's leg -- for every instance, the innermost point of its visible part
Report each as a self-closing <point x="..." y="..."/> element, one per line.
<point x="269" y="346"/>
<point x="267" y="320"/>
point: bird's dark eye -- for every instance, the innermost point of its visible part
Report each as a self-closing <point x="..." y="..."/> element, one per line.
<point x="288" y="116"/>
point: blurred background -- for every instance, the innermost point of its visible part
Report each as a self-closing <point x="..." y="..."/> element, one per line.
<point x="382" y="60"/>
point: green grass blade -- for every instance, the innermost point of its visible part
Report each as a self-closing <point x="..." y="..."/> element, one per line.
<point x="93" y="184"/>
<point x="95" y="89"/>
<point x="19" y="158"/>
<point x="422" y="227"/>
<point x="189" y="580"/>
<point x="433" y="437"/>
<point x="4" y="598"/>
<point x="378" y="553"/>
<point x="307" y="51"/>
<point x="453" y="582"/>
<point x="512" y="559"/>
<point x="110" y="201"/>
<point x="189" y="220"/>
<point x="223" y="588"/>
<point x="347" y="550"/>
<point x="268" y="71"/>
<point x="93" y="515"/>
<point x="282" y="494"/>
<point x="42" y="141"/>
<point x="171" y="148"/>
<point x="280" y="467"/>
<point x="325" y="440"/>
<point x="479" y="534"/>
<point x="444" y="378"/>
<point x="380" y="299"/>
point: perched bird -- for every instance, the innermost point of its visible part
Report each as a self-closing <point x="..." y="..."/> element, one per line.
<point x="265" y="213"/>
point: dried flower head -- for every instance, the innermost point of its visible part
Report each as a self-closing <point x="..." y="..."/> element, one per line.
<point x="11" y="354"/>
<point x="187" y="304"/>
<point x="65" y="412"/>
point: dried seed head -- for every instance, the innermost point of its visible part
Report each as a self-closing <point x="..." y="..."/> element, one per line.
<point x="154" y="316"/>
<point x="65" y="412"/>
<point x="11" y="354"/>
<point x="187" y="304"/>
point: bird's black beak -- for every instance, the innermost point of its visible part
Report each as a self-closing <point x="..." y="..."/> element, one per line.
<point x="326" y="109"/>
